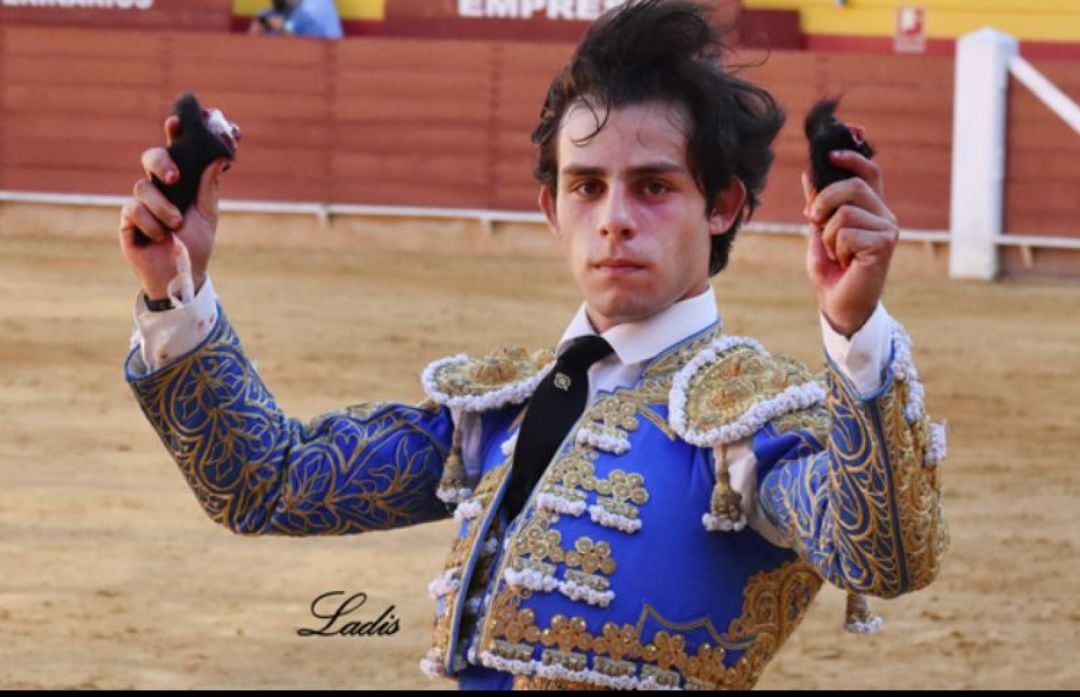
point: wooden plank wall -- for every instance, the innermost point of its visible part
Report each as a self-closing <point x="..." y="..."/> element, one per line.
<point x="447" y="123"/>
<point x="1042" y="166"/>
<point x="903" y="102"/>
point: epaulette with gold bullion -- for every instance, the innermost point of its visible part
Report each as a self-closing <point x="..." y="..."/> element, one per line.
<point x="734" y="386"/>
<point x="508" y="376"/>
<point x="726" y="393"/>
<point x="729" y="390"/>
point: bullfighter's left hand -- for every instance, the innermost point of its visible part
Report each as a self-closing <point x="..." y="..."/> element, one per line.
<point x="852" y="238"/>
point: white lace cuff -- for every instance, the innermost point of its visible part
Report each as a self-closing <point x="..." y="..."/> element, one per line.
<point x="165" y="336"/>
<point x="863" y="358"/>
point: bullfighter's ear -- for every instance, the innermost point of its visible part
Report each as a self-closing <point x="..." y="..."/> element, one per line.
<point x="727" y="206"/>
<point x="547" y="205"/>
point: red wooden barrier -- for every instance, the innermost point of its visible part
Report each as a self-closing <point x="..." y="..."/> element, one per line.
<point x="447" y="123"/>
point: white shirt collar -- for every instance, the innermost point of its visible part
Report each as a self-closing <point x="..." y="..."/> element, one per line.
<point x="640" y="341"/>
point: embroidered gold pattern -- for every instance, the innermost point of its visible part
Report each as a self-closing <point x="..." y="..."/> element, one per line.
<point x="566" y="659"/>
<point x="576" y="469"/>
<point x="367" y="467"/>
<point x="534" y="682"/>
<point x="773" y="605"/>
<point x="460" y="552"/>
<point x="917" y="490"/>
<point x="616" y="507"/>
<point x="726" y="389"/>
<point x="774" y="602"/>
<point x="815" y="420"/>
<point x="479" y="376"/>
<point x="877" y="539"/>
<point x="674" y="358"/>
<point x="541" y="543"/>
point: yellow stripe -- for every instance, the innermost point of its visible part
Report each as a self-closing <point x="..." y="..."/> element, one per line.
<point x="350" y="10"/>
<point x="1067" y="7"/>
<point x="1038" y="20"/>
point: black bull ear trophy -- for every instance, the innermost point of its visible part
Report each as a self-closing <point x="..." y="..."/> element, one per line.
<point x="204" y="136"/>
<point x="827" y="133"/>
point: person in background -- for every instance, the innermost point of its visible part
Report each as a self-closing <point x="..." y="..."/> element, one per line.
<point x="315" y="18"/>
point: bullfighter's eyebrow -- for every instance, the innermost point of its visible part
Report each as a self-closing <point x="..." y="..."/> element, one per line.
<point x="572" y="170"/>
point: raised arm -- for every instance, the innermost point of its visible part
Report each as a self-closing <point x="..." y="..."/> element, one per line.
<point x="867" y="510"/>
<point x="253" y="469"/>
<point x="860" y="498"/>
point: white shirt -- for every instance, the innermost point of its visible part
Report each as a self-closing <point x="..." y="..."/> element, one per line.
<point x="165" y="336"/>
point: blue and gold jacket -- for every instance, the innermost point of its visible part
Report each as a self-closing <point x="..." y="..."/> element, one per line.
<point x="628" y="566"/>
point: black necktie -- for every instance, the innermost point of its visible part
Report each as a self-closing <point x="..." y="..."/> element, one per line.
<point x="555" y="406"/>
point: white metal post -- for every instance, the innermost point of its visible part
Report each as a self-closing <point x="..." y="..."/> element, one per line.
<point x="978" y="156"/>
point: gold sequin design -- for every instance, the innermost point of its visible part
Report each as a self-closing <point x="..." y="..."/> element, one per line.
<point x="541" y="544"/>
<point x="479" y="376"/>
<point x="576" y="470"/>
<point x="774" y="603"/>
<point x="615" y="415"/>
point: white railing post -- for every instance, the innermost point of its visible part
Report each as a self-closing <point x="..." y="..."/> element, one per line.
<point x="978" y="156"/>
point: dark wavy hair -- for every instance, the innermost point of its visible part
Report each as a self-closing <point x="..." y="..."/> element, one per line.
<point x="669" y="51"/>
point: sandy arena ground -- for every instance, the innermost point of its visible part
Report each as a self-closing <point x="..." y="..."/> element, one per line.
<point x="112" y="577"/>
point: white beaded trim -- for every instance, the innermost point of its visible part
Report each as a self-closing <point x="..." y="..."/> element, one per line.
<point x="869" y="627"/>
<point x="559" y="504"/>
<point x="510" y="444"/>
<point x="716" y="524"/>
<point x="903" y="369"/>
<point x="449" y="495"/>
<point x="444" y="584"/>
<point x="491" y="546"/>
<point x="467" y="510"/>
<point x="613" y="520"/>
<point x="935" y="445"/>
<point x="513" y="393"/>
<point x="558" y="672"/>
<point x="577" y="591"/>
<point x="531" y="579"/>
<point x="432" y="664"/>
<point x="603" y="441"/>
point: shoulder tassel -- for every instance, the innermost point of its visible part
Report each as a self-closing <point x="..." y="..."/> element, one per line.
<point x="453" y="487"/>
<point x="858" y="617"/>
<point x="725" y="505"/>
